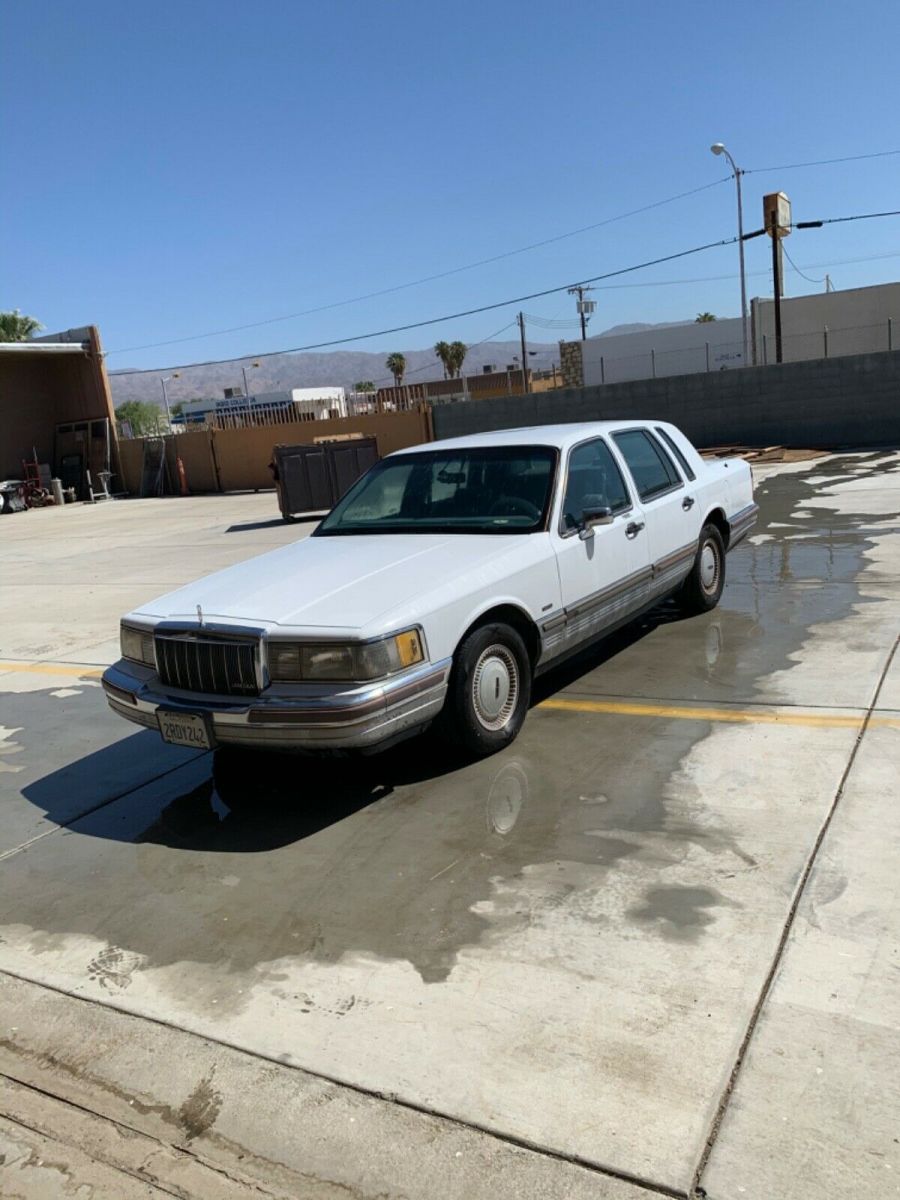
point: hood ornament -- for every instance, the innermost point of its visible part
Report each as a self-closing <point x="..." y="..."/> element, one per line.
<point x="199" y="614"/>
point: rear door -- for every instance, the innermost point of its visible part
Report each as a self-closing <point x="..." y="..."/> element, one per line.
<point x="604" y="576"/>
<point x="671" y="513"/>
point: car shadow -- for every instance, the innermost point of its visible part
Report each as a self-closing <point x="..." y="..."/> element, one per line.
<point x="246" y="526"/>
<point x="249" y="801"/>
<point x="568" y="673"/>
<point x="245" y="801"/>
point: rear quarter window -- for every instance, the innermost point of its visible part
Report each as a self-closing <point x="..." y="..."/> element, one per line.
<point x="673" y="446"/>
<point x="651" y="468"/>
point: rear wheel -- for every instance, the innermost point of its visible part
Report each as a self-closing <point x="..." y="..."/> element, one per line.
<point x="703" y="587"/>
<point x="490" y="688"/>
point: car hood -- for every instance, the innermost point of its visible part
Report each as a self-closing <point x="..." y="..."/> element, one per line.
<point x="338" y="582"/>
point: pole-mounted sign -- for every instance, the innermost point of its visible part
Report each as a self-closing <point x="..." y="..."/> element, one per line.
<point x="777" y="214"/>
<point x="777" y="221"/>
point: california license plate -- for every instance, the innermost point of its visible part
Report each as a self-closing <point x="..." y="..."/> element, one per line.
<point x="184" y="729"/>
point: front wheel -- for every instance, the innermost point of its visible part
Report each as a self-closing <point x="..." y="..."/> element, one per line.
<point x="489" y="692"/>
<point x="703" y="587"/>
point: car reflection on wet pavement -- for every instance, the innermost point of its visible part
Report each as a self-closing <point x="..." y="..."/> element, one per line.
<point x="595" y="907"/>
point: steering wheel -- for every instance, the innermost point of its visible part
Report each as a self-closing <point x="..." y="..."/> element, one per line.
<point x="514" y="506"/>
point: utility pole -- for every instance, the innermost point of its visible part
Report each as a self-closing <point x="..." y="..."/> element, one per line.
<point x="585" y="307"/>
<point x="521" y="321"/>
<point x="776" y="275"/>
<point x="778" y="224"/>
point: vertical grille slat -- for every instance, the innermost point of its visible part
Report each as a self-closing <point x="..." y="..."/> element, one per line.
<point x="213" y="666"/>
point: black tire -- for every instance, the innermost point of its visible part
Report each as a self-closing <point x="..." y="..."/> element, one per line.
<point x="702" y="589"/>
<point x="489" y="691"/>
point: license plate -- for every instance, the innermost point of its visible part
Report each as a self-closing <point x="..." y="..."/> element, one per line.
<point x="184" y="729"/>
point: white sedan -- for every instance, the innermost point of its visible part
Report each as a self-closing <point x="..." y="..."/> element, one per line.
<point x="438" y="587"/>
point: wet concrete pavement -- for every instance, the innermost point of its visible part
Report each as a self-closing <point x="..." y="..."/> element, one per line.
<point x="567" y="945"/>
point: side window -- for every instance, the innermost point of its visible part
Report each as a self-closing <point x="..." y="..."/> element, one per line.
<point x="651" y="468"/>
<point x="682" y="461"/>
<point x="594" y="481"/>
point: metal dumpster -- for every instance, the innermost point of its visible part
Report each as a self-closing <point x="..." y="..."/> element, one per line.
<point x="312" y="478"/>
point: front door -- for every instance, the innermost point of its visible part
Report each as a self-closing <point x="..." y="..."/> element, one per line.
<point x="604" y="576"/>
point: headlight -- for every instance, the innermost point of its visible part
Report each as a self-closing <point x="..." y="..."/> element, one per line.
<point x="291" y="662"/>
<point x="137" y="645"/>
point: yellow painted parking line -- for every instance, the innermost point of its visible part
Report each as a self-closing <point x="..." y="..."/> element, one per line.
<point x="51" y="669"/>
<point x="734" y="716"/>
<point x="622" y="708"/>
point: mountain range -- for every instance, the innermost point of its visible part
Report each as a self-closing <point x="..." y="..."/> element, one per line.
<point x="338" y="368"/>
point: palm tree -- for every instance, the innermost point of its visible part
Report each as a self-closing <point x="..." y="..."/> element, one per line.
<point x="16" y="327"/>
<point x="364" y="385"/>
<point x="444" y="352"/>
<point x="396" y="364"/>
<point x="457" y="356"/>
<point x="704" y="317"/>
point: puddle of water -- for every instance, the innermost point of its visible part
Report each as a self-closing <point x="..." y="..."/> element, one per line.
<point x="403" y="856"/>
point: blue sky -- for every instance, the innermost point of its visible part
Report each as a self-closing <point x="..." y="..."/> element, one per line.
<point x="173" y="169"/>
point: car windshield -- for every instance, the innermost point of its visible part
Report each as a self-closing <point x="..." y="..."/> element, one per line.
<point x="484" y="489"/>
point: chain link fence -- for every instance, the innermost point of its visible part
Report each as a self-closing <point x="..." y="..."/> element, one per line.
<point x="824" y="342"/>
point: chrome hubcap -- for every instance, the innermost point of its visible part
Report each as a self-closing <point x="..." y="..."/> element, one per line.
<point x="495" y="687"/>
<point x="709" y="568"/>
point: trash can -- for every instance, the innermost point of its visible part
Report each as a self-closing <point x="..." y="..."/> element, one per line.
<point x="312" y="478"/>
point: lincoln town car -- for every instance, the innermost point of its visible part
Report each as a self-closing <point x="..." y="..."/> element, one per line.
<point x="433" y="593"/>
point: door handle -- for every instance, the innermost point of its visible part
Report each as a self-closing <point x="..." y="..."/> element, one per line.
<point x="687" y="502"/>
<point x="632" y="530"/>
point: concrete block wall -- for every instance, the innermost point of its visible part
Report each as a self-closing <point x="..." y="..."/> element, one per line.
<point x="822" y="403"/>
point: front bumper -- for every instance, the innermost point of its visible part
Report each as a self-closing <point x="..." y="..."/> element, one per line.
<point x="298" y="717"/>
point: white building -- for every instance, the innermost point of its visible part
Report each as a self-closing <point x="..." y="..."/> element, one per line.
<point x="302" y="404"/>
<point x="826" y="325"/>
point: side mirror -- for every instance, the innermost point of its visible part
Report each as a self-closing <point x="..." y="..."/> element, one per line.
<point x="591" y="517"/>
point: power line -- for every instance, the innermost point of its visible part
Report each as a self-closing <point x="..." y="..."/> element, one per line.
<point x="821" y="162"/>
<point x="857" y="217"/>
<point x="494" y="258"/>
<point x="552" y="322"/>
<point x="837" y="262"/>
<point x="359" y="337"/>
<point x="497" y="304"/>
<point x="808" y="278"/>
<point x="425" y="278"/>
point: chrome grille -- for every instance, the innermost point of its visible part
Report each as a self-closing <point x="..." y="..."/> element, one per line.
<point x="211" y="665"/>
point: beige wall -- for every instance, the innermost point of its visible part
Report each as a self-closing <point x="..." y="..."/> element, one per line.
<point x="232" y="460"/>
<point x="856" y="321"/>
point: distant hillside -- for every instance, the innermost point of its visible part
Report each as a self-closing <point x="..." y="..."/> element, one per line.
<point x="638" y="327"/>
<point x="337" y="368"/>
<point x="342" y="368"/>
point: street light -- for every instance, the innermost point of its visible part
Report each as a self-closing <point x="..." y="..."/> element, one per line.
<point x="718" y="148"/>
<point x="246" y="388"/>
<point x="176" y="375"/>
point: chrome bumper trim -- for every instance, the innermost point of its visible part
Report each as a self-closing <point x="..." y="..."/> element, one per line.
<point x="307" y="718"/>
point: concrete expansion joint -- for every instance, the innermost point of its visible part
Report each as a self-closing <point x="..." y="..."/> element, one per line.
<point x="721" y="1109"/>
<point x="122" y="1170"/>
<point x="157" y="1148"/>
